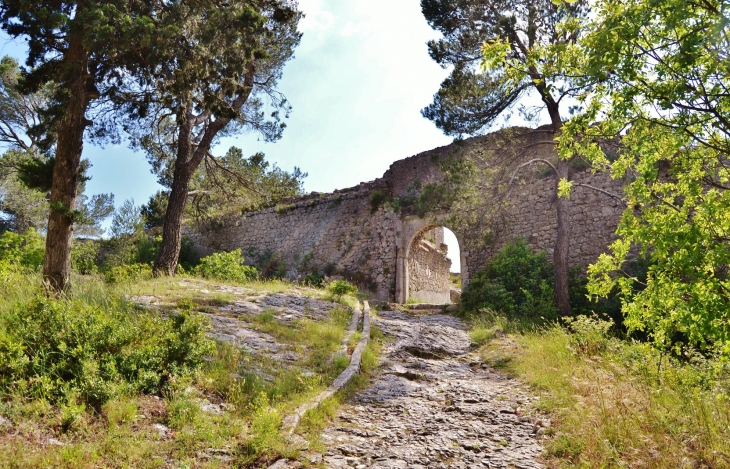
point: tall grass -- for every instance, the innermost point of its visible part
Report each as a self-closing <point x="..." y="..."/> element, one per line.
<point x="620" y="404"/>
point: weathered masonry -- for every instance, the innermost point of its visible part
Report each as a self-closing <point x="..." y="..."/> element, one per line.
<point x="368" y="233"/>
<point x="429" y="268"/>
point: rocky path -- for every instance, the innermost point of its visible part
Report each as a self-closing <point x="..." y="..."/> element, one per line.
<point x="231" y="322"/>
<point x="433" y="405"/>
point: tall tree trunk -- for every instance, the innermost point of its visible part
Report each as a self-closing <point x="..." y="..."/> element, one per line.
<point x="166" y="262"/>
<point x="562" y="239"/>
<point x="562" y="244"/>
<point x="59" y="236"/>
<point x="186" y="162"/>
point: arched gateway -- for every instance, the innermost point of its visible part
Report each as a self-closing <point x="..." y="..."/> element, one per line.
<point x="363" y="234"/>
<point x="420" y="260"/>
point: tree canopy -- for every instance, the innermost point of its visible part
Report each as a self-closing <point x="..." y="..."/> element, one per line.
<point x="26" y="167"/>
<point x="662" y="86"/>
<point x="523" y="41"/>
<point x="219" y="78"/>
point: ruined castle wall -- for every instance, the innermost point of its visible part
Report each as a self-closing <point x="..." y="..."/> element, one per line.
<point x="340" y="233"/>
<point x="325" y="233"/>
<point x="429" y="268"/>
<point x="530" y="214"/>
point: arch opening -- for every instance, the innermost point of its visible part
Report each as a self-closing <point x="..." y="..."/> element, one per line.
<point x="433" y="266"/>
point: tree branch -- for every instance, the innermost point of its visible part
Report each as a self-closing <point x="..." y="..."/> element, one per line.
<point x="534" y="160"/>
<point x="610" y="194"/>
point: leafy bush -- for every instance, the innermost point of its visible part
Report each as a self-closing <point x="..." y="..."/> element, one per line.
<point x="148" y="247"/>
<point x="589" y="334"/>
<point x="139" y="248"/>
<point x="226" y="266"/>
<point x="583" y="304"/>
<point x="18" y="251"/>
<point x="127" y="273"/>
<point x="313" y="280"/>
<point x="63" y="350"/>
<point x="518" y="282"/>
<point x="515" y="282"/>
<point x="340" y="288"/>
<point x="85" y="256"/>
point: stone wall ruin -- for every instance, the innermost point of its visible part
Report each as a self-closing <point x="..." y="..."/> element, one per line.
<point x="364" y="234"/>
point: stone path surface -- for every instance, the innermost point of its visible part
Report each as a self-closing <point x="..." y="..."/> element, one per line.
<point x="433" y="405"/>
<point x="230" y="323"/>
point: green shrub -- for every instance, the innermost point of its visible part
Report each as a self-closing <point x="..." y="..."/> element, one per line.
<point x="22" y="251"/>
<point x="610" y="306"/>
<point x="518" y="282"/>
<point x="120" y="411"/>
<point x="119" y="251"/>
<point x="340" y="288"/>
<point x="68" y="351"/>
<point x="148" y="247"/>
<point x="128" y="273"/>
<point x="377" y="199"/>
<point x="313" y="280"/>
<point x="589" y="334"/>
<point x="85" y="255"/>
<point x="484" y="292"/>
<point x="515" y="282"/>
<point x="183" y="409"/>
<point x="226" y="266"/>
<point x="264" y="441"/>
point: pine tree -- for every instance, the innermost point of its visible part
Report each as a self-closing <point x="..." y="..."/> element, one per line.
<point x="77" y="45"/>
<point x="501" y="50"/>
<point x="223" y="71"/>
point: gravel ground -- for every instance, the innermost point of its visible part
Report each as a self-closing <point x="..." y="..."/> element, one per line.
<point x="433" y="405"/>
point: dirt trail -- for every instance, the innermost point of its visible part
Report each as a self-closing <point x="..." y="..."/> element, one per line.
<point x="433" y="405"/>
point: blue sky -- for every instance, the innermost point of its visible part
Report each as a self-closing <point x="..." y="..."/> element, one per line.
<point x="357" y="84"/>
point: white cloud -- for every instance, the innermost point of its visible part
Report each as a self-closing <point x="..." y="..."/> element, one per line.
<point x="316" y="17"/>
<point x="352" y="28"/>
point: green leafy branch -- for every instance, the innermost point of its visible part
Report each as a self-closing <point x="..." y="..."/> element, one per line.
<point x="76" y="216"/>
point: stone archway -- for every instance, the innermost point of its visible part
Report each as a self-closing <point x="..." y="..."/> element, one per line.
<point x="411" y="232"/>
